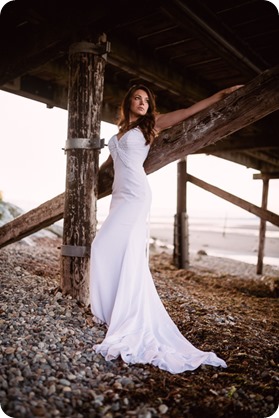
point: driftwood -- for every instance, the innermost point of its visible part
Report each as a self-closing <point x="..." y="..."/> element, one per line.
<point x="252" y="102"/>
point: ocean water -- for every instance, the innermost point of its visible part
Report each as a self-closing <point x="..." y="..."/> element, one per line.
<point x="241" y="226"/>
<point x="234" y="238"/>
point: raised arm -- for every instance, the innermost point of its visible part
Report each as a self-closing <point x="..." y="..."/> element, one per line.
<point x="166" y="120"/>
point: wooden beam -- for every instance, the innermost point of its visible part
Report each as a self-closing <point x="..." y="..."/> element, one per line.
<point x="53" y="40"/>
<point x="245" y="160"/>
<point x="256" y="210"/>
<point x="257" y="99"/>
<point x="153" y="71"/>
<point x="34" y="220"/>
<point x="248" y="104"/>
<point x="49" y="92"/>
<point x="160" y="75"/>
<point x="265" y="176"/>
<point x="264" y="157"/>
<point x="239" y="141"/>
<point x="215" y="35"/>
<point x="38" y="44"/>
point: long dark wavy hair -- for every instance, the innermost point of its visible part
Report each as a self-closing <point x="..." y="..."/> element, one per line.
<point x="147" y="122"/>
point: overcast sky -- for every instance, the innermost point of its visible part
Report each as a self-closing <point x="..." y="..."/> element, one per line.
<point x="33" y="165"/>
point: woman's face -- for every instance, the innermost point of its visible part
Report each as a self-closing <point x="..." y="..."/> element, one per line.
<point x="139" y="104"/>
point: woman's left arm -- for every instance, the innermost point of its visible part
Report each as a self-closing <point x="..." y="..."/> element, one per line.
<point x="166" y="120"/>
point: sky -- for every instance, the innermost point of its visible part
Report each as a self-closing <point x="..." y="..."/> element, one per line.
<point x="33" y="166"/>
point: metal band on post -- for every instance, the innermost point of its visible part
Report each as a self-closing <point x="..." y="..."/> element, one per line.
<point x="75" y="250"/>
<point x="102" y="48"/>
<point x="84" y="143"/>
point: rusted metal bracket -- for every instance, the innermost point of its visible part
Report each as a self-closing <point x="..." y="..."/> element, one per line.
<point x="84" y="143"/>
<point x="75" y="250"/>
<point x="101" y="48"/>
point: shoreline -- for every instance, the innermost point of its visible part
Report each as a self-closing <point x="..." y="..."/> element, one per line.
<point x="238" y="246"/>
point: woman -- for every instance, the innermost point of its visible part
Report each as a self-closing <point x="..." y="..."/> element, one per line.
<point x="122" y="291"/>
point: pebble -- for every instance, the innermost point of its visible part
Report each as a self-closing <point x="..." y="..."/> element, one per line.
<point x="64" y="382"/>
<point x="163" y="409"/>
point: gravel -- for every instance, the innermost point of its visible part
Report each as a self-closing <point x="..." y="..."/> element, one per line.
<point x="48" y="367"/>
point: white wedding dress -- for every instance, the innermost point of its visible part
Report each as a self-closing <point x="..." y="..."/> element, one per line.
<point x="122" y="291"/>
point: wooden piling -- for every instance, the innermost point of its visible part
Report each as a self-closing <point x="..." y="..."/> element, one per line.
<point x="181" y="232"/>
<point x="86" y="83"/>
<point x="262" y="227"/>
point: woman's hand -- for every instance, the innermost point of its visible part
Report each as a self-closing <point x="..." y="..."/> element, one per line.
<point x="225" y="92"/>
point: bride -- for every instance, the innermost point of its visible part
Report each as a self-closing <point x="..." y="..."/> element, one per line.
<point x="122" y="291"/>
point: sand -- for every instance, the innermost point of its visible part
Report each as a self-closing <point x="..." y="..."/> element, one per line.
<point x="237" y="246"/>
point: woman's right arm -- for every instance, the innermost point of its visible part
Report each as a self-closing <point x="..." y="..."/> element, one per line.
<point x="169" y="119"/>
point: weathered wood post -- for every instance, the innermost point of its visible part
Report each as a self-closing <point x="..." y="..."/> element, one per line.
<point x="86" y="83"/>
<point x="262" y="227"/>
<point x="181" y="234"/>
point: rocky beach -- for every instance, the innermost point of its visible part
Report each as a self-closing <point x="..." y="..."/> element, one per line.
<point x="48" y="367"/>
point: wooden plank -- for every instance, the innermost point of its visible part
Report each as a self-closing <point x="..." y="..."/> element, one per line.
<point x="256" y="210"/>
<point x="250" y="103"/>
